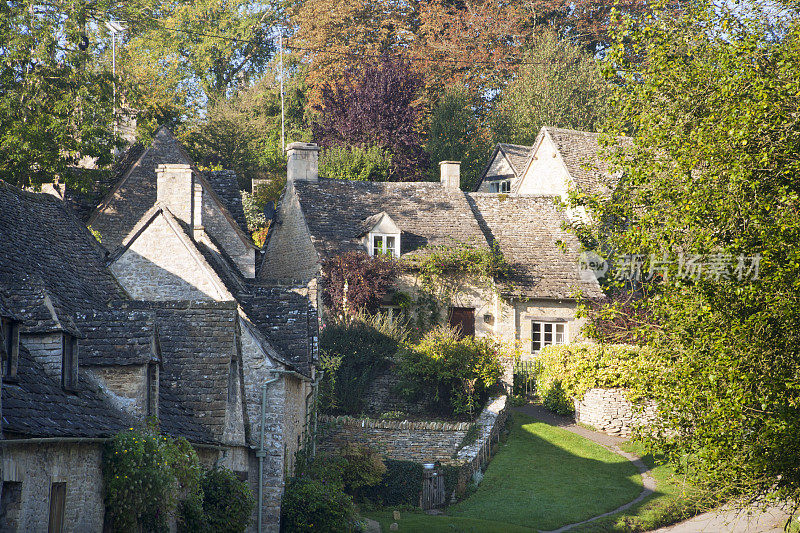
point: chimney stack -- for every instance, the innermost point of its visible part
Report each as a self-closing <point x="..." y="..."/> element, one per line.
<point x="175" y="190"/>
<point x="302" y="162"/>
<point x="450" y="172"/>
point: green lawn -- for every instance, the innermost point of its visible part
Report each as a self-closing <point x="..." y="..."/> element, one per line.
<point x="542" y="477"/>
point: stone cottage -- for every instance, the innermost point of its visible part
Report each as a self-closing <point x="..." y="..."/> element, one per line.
<point x="164" y="318"/>
<point x="319" y="218"/>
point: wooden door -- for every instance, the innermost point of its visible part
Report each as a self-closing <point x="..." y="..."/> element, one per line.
<point x="463" y="319"/>
<point x="58" y="496"/>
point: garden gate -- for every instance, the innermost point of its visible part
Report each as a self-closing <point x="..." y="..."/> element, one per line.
<point x="432" y="490"/>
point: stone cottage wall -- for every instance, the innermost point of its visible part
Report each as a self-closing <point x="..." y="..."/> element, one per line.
<point x="290" y="251"/>
<point x="610" y="412"/>
<point x="30" y="469"/>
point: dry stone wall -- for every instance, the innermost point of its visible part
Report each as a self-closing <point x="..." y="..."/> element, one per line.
<point x="609" y="411"/>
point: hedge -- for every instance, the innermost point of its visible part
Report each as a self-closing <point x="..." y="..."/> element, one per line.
<point x="568" y="371"/>
<point x="401" y="484"/>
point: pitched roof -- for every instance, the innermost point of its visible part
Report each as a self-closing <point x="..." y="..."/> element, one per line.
<point x="117" y="337"/>
<point x="36" y="405"/>
<point x="581" y="153"/>
<point x="226" y="185"/>
<point x="427" y="213"/>
<point x="528" y="231"/>
<point x="198" y="343"/>
<point x="50" y="265"/>
<point x="517" y="156"/>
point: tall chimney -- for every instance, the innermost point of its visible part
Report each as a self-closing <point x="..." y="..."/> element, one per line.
<point x="175" y="189"/>
<point x="450" y="172"/>
<point x="302" y="162"/>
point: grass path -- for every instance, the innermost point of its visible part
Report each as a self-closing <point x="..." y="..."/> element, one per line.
<point x="542" y="478"/>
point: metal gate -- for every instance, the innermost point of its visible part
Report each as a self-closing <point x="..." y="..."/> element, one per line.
<point x="432" y="490"/>
<point x="525" y="376"/>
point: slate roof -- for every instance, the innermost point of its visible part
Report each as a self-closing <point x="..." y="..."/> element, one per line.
<point x="426" y="212"/>
<point x="226" y="185"/>
<point x="35" y="405"/>
<point x="198" y="343"/>
<point x="581" y="153"/>
<point x="517" y="156"/>
<point x="284" y="314"/>
<point x="527" y="230"/>
<point x="117" y="337"/>
<point x="50" y="265"/>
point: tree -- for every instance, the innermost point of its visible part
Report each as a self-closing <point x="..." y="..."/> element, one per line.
<point x="456" y="133"/>
<point x="55" y="104"/>
<point x="561" y="85"/>
<point x="709" y="197"/>
<point x="376" y="106"/>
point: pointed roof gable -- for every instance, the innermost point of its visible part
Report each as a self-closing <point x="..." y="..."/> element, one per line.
<point x="376" y="220"/>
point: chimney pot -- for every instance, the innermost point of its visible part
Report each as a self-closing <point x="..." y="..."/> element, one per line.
<point x="302" y="162"/>
<point x="450" y="172"/>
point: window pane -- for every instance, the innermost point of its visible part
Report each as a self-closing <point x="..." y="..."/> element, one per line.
<point x="390" y="248"/>
<point x="560" y="337"/>
<point x="377" y="245"/>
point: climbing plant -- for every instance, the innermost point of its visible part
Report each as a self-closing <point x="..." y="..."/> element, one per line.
<point x="441" y="268"/>
<point x="354" y="282"/>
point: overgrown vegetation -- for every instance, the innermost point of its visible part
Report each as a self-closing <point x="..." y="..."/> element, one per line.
<point x="149" y="478"/>
<point x="355" y="282"/>
<point x="453" y="374"/>
<point x="568" y="371"/>
<point x="442" y="268"/>
<point x="370" y="163"/>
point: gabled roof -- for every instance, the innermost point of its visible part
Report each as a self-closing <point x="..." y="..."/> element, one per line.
<point x="582" y="156"/>
<point x="426" y="213"/>
<point x="226" y="185"/>
<point x="50" y="265"/>
<point x="36" y="405"/>
<point x="528" y="230"/>
<point x="136" y="192"/>
<point x="117" y="337"/>
<point x="517" y="156"/>
<point x="371" y="222"/>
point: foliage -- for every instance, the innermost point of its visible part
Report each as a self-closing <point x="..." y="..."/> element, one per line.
<point x="227" y="501"/>
<point x="314" y="499"/>
<point x="55" y="102"/>
<point x="563" y="86"/>
<point x="567" y="371"/>
<point x="364" y="467"/>
<point x="401" y="484"/>
<point x="375" y="106"/>
<point x="355" y="282"/>
<point x="712" y="175"/>
<point x="141" y="475"/>
<point x="623" y="317"/>
<point x="455" y="374"/>
<point x="353" y="354"/>
<point x="370" y="163"/>
<point x="437" y="264"/>
<point x="243" y="132"/>
<point x="456" y="134"/>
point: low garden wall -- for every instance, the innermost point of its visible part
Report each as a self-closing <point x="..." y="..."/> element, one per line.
<point x="609" y="411"/>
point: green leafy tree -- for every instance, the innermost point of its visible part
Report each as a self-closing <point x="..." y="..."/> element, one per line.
<point x="561" y="85"/>
<point x="712" y="181"/>
<point x="355" y="163"/>
<point x="456" y="134"/>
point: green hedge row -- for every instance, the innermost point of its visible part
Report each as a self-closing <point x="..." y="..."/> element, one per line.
<point x="401" y="484"/>
<point x="568" y="371"/>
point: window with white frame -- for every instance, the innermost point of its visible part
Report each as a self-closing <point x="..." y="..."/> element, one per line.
<point x="503" y="186"/>
<point x="383" y="244"/>
<point x="547" y="334"/>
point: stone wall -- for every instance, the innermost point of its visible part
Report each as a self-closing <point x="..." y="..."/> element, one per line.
<point x="218" y="226"/>
<point x="126" y="386"/>
<point x="33" y="468"/>
<point x="610" y="412"/>
<point x="290" y="251"/>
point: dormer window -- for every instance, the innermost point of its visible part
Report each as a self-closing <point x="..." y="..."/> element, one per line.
<point x="503" y="186"/>
<point x="69" y="361"/>
<point x="381" y="235"/>
<point x="385" y="245"/>
<point x="10" y="331"/>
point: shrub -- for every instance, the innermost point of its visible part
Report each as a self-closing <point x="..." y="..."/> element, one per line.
<point x="568" y="371"/>
<point x="227" y="501"/>
<point x="355" y="163"/>
<point x="363" y="467"/>
<point x="401" y="484"/>
<point x="456" y="373"/>
<point x="355" y="282"/>
<point x="353" y="353"/>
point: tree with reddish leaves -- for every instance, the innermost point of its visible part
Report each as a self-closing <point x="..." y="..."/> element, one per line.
<point x="377" y="105"/>
<point x="354" y="282"/>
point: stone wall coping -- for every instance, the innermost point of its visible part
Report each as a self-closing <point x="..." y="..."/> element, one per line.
<point x="377" y="423"/>
<point x="486" y="423"/>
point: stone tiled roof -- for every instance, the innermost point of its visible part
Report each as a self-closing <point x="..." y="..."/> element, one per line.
<point x="135" y="192"/>
<point x="284" y="314"/>
<point x="426" y="213"/>
<point x="35" y="405"/>
<point x="50" y="265"/>
<point x="517" y="156"/>
<point x="117" y="337"/>
<point x="581" y="153"/>
<point x="226" y="185"/>
<point x="198" y="343"/>
<point x="528" y="230"/>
